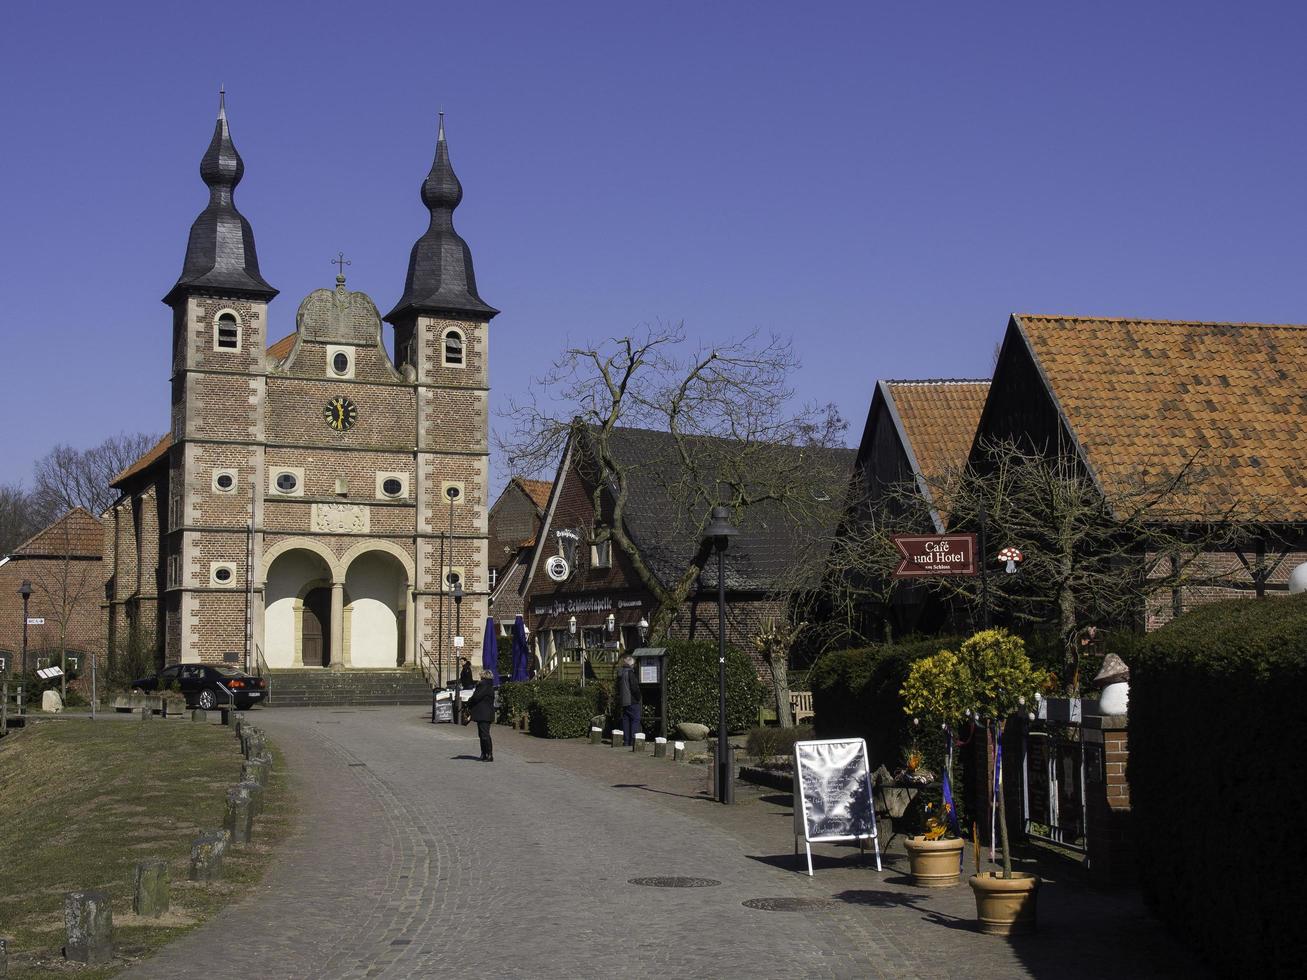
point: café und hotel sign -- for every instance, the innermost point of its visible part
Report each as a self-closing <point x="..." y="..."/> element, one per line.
<point x="935" y="554"/>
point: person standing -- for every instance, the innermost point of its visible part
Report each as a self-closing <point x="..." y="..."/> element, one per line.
<point x="465" y="674"/>
<point x="482" y="708"/>
<point x="629" y="697"/>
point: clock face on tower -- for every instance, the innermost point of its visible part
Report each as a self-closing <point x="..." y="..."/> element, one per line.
<point x="341" y="413"/>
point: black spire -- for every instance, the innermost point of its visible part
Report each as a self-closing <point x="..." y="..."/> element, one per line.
<point x="440" y="277"/>
<point x="220" y="254"/>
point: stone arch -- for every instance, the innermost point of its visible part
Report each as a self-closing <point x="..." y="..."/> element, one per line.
<point x="335" y="565"/>
<point x="290" y="575"/>
<point x="389" y="547"/>
<point x="380" y="629"/>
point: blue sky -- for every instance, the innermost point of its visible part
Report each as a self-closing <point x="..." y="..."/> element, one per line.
<point x="884" y="181"/>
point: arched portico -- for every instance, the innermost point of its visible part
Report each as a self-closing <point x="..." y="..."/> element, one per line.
<point x="300" y="595"/>
<point x="378" y="615"/>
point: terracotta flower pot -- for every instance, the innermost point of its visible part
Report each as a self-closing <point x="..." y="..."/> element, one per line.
<point x="935" y="863"/>
<point x="1005" y="906"/>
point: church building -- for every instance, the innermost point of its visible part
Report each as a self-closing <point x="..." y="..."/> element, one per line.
<point x="316" y="502"/>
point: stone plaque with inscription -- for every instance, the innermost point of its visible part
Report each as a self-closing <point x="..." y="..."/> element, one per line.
<point x="340" y="519"/>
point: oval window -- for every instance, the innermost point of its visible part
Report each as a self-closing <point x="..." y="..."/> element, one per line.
<point x="340" y="363"/>
<point x="225" y="481"/>
<point x="286" y="482"/>
<point x="453" y="578"/>
<point x="392" y="487"/>
<point x="222" y="574"/>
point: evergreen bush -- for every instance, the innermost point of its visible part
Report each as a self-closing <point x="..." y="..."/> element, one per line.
<point x="692" y="686"/>
<point x="1215" y="780"/>
<point x="856" y="693"/>
<point x="772" y="740"/>
<point x="560" y="715"/>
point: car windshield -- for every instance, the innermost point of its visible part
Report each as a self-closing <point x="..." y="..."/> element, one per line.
<point x="229" y="672"/>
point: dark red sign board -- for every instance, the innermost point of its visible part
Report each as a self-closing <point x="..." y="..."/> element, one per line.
<point x="935" y="554"/>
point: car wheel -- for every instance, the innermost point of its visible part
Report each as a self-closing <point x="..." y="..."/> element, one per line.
<point x="208" y="700"/>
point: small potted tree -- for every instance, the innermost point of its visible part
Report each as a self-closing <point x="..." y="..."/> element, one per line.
<point x="988" y="680"/>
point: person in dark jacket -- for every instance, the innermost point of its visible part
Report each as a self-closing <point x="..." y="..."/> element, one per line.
<point x="628" y="696"/>
<point x="482" y="708"/>
<point x="465" y="675"/>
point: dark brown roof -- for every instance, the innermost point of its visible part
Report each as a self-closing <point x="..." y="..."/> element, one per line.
<point x="939" y="420"/>
<point x="78" y="534"/>
<point x="157" y="452"/>
<point x="1143" y="397"/>
<point x="537" y="490"/>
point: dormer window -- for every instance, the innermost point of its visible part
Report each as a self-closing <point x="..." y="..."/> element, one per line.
<point x="228" y="336"/>
<point x="453" y="348"/>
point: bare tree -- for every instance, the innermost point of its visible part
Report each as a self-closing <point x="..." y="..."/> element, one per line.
<point x="67" y="579"/>
<point x="18" y="517"/>
<point x="66" y="478"/>
<point x="1090" y="556"/>
<point x="734" y="440"/>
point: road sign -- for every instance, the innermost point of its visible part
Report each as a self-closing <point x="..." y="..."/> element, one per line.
<point x="35" y="621"/>
<point x="935" y="554"/>
<point x="49" y="673"/>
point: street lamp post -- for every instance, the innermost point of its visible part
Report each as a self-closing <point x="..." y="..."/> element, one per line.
<point x="458" y="629"/>
<point x="25" y="590"/>
<point x="643" y="627"/>
<point x="719" y="531"/>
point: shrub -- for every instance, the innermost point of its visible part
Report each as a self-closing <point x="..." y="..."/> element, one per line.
<point x="857" y="693"/>
<point x="1214" y="704"/>
<point x="561" y="715"/>
<point x="517" y="697"/>
<point x="692" y="682"/>
<point x="772" y="740"/>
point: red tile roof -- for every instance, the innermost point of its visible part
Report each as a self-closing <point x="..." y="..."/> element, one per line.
<point x="78" y="534"/>
<point x="537" y="490"/>
<point x="1144" y="397"/>
<point x="282" y="347"/>
<point x="939" y="420"/>
<point x="157" y="452"/>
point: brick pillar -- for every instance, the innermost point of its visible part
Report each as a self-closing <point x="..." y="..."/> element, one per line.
<point x="1111" y="848"/>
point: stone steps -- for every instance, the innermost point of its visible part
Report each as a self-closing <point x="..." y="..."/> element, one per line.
<point x="312" y="688"/>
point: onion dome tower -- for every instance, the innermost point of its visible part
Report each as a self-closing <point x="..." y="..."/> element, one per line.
<point x="440" y="280"/>
<point x="220" y="255"/>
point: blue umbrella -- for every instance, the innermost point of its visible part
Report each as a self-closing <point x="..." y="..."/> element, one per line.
<point x="520" y="656"/>
<point x="490" y="650"/>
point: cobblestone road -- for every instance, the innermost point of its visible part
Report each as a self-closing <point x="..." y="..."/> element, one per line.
<point x="415" y="859"/>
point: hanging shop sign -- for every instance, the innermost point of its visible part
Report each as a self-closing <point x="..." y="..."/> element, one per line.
<point x="935" y="554"/>
<point x="557" y="568"/>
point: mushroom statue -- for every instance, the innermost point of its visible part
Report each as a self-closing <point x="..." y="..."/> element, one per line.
<point x="1011" y="556"/>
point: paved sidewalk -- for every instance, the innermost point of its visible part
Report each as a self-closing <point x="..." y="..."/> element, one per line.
<point x="415" y="859"/>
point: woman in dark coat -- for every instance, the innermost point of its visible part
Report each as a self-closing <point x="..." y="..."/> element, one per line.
<point x="481" y="707"/>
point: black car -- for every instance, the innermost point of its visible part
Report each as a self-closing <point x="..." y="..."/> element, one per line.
<point x="200" y="684"/>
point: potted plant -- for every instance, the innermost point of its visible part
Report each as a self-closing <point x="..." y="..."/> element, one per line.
<point x="988" y="680"/>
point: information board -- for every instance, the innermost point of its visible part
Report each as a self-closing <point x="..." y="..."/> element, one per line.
<point x="832" y="794"/>
<point x="444" y="711"/>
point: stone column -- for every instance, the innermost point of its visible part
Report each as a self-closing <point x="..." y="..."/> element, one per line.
<point x="1108" y="834"/>
<point x="410" y="629"/>
<point x="338" y="625"/>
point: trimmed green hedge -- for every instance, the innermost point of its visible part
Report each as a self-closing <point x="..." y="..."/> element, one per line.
<point x="516" y="697"/>
<point x="561" y="715"/>
<point x="1216" y="783"/>
<point x="856" y="693"/>
<point x="692" y="686"/>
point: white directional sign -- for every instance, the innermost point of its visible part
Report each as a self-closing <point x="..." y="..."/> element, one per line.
<point x="49" y="673"/>
<point x="35" y="621"/>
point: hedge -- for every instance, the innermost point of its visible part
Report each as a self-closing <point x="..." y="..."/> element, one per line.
<point x="856" y="693"/>
<point x="692" y="686"/>
<point x="1216" y="783"/>
<point x="516" y="697"/>
<point x="561" y="715"/>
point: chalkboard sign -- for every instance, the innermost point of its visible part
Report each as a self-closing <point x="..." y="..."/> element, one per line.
<point x="444" y="711"/>
<point x="832" y="794"/>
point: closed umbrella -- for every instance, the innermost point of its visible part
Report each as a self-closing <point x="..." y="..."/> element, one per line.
<point x="490" y="650"/>
<point x="520" y="655"/>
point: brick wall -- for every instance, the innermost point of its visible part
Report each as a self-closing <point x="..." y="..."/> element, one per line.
<point x="1108" y="831"/>
<point x="1222" y="576"/>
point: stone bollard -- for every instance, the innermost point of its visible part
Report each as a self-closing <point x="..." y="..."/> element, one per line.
<point x="596" y="736"/>
<point x="615" y="738"/>
<point x="640" y="743"/>
<point x="252" y="745"/>
<point x="199" y="714"/>
<point x="254" y="771"/>
<point x="678" y="751"/>
<point x="256" y="796"/>
<point x="660" y="748"/>
<point x="239" y="818"/>
<point x="88" y="927"/>
<point x="4" y="957"/>
<point x="150" y="889"/>
<point x="264" y="758"/>
<point x="147" y="714"/>
<point x="207" y="852"/>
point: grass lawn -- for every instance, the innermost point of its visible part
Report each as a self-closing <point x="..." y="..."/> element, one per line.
<point x="82" y="801"/>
